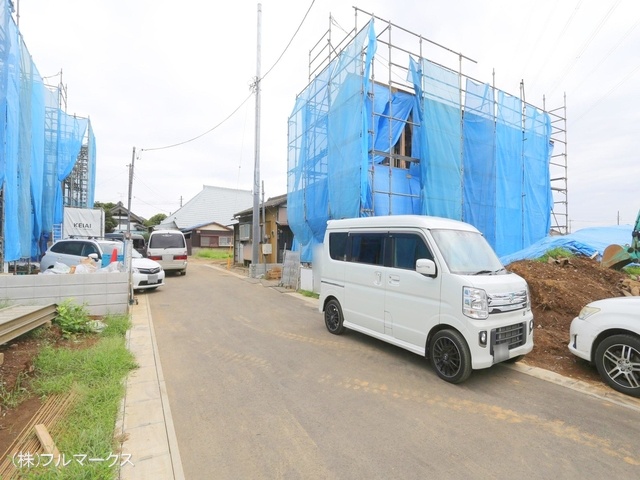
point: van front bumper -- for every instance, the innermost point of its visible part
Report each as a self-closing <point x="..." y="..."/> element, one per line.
<point x="501" y="343"/>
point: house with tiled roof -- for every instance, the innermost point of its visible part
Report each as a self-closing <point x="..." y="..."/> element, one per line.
<point x="207" y="219"/>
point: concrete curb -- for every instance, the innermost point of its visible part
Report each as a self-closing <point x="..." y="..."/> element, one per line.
<point x="601" y="392"/>
<point x="145" y="425"/>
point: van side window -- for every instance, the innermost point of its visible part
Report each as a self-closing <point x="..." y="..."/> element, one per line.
<point x="407" y="248"/>
<point x="367" y="248"/>
<point x="338" y="245"/>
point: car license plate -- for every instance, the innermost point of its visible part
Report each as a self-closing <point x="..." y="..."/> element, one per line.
<point x="500" y="352"/>
<point x="167" y="258"/>
<point x="152" y="279"/>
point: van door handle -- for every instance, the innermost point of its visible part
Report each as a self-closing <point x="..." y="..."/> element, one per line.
<point x="394" y="280"/>
<point x="378" y="280"/>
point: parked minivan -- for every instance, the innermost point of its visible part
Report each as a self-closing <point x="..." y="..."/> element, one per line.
<point x="169" y="249"/>
<point x="139" y="243"/>
<point x="433" y="286"/>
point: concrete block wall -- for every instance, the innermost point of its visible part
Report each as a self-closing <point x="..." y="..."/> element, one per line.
<point x="103" y="293"/>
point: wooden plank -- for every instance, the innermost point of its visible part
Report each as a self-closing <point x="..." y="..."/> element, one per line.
<point x="48" y="445"/>
<point x="18" y="321"/>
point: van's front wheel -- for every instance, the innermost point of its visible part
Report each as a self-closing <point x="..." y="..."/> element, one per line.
<point x="333" y="318"/>
<point x="450" y="356"/>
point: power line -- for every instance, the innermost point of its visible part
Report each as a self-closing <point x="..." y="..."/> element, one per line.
<point x="246" y="99"/>
<point x="615" y="87"/>
<point x="202" y="134"/>
<point x="584" y="47"/>
<point x="608" y="54"/>
<point x="290" y="41"/>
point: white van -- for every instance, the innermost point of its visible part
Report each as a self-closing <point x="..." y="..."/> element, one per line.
<point x="169" y="249"/>
<point x="430" y="285"/>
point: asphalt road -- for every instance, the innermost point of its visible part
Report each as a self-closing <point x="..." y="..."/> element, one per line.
<point x="259" y="389"/>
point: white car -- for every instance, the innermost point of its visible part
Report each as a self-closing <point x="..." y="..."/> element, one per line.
<point x="607" y="333"/>
<point x="146" y="275"/>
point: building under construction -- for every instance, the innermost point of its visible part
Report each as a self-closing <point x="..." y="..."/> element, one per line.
<point x="48" y="157"/>
<point x="383" y="130"/>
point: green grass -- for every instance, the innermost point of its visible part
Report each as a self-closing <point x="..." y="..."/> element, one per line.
<point x="308" y="293"/>
<point x="96" y="374"/>
<point x="555" y="253"/>
<point x="215" y="254"/>
<point x="14" y="397"/>
<point x="632" y="270"/>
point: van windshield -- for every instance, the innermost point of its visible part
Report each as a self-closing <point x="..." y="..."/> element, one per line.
<point x="166" y="240"/>
<point x="467" y="253"/>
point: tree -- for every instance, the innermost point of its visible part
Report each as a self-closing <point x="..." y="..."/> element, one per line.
<point x="109" y="222"/>
<point x="155" y="220"/>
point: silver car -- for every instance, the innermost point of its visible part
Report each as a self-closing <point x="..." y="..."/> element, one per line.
<point x="146" y="274"/>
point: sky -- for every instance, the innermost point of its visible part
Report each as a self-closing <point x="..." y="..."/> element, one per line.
<point x="151" y="74"/>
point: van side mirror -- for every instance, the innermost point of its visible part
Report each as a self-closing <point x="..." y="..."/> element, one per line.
<point x="94" y="257"/>
<point x="426" y="267"/>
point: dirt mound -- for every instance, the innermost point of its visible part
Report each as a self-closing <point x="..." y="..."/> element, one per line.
<point x="559" y="290"/>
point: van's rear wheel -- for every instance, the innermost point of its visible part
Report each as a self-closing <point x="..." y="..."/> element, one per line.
<point x="450" y="356"/>
<point x="333" y="318"/>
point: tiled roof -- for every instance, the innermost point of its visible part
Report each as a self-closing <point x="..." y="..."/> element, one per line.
<point x="212" y="204"/>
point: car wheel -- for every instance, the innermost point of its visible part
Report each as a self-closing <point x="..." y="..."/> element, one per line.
<point x="450" y="356"/>
<point x="618" y="363"/>
<point x="333" y="318"/>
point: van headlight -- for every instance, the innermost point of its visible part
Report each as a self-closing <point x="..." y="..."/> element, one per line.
<point x="474" y="303"/>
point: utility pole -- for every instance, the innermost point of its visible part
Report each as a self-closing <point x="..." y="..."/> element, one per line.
<point x="128" y="242"/>
<point x="256" y="169"/>
<point x="133" y="159"/>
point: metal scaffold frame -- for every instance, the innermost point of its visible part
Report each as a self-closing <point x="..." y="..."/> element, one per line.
<point x="559" y="170"/>
<point x="391" y="68"/>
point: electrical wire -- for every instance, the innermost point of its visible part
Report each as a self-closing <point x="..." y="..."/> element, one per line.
<point x="614" y="88"/>
<point x="245" y="100"/>
<point x="202" y="134"/>
<point x="557" y="41"/>
<point x="584" y="47"/>
<point x="608" y="54"/>
<point x="290" y="41"/>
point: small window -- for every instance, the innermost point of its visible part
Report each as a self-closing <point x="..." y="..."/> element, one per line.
<point x="338" y="245"/>
<point x="166" y="240"/>
<point x="225" y="241"/>
<point x="244" y="231"/>
<point x="367" y="248"/>
<point x="59" y="247"/>
<point x="69" y="248"/>
<point x="88" y="249"/>
<point x="407" y="248"/>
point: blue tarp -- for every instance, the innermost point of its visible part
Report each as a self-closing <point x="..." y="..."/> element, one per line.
<point x="39" y="146"/>
<point x="325" y="135"/>
<point x="588" y="241"/>
<point x="477" y="155"/>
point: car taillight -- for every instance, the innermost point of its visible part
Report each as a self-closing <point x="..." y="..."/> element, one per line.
<point x="155" y="257"/>
<point x="180" y="257"/>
